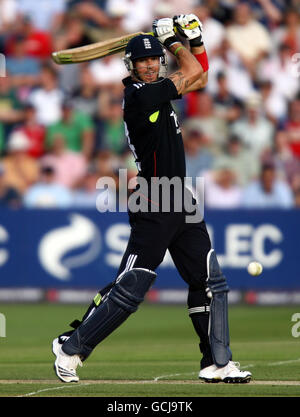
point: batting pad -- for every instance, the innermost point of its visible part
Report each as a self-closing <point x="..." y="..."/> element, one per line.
<point x="123" y="299"/>
<point x="218" y="321"/>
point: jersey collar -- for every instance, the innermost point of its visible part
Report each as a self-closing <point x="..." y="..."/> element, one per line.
<point x="128" y="80"/>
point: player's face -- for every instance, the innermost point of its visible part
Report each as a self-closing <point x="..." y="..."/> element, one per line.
<point x="147" y="68"/>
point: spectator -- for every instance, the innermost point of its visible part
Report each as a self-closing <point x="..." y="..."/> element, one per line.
<point x="227" y="106"/>
<point x="274" y="105"/>
<point x="47" y="193"/>
<point x="76" y="128"/>
<point x="23" y="69"/>
<point x="108" y="72"/>
<point x="238" y="79"/>
<point x="91" y="11"/>
<point x="69" y="166"/>
<point x="221" y="190"/>
<point x="268" y="191"/>
<point x="85" y="196"/>
<point x="137" y="14"/>
<point x="85" y="97"/>
<point x="289" y="32"/>
<point x="279" y="69"/>
<point x="72" y="34"/>
<point x="47" y="16"/>
<point x="198" y="156"/>
<point x="286" y="163"/>
<point x="10" y="106"/>
<point x="206" y="120"/>
<point x="47" y="100"/>
<point x="293" y="126"/>
<point x="221" y="10"/>
<point x="38" y="41"/>
<point x="21" y="170"/>
<point x="88" y="196"/>
<point x="163" y="8"/>
<point x="68" y="78"/>
<point x="35" y="132"/>
<point x="255" y="130"/>
<point x="248" y="37"/>
<point x="267" y="12"/>
<point x="9" y="196"/>
<point x="8" y="14"/>
<point x="106" y="164"/>
<point x="112" y="132"/>
<point x="242" y="161"/>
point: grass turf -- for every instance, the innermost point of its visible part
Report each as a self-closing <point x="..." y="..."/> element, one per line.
<point x="157" y="343"/>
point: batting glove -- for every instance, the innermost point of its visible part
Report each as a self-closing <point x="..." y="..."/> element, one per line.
<point x="163" y="30"/>
<point x="189" y="26"/>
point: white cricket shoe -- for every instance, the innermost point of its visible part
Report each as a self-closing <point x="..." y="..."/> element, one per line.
<point x="65" y="365"/>
<point x="229" y="374"/>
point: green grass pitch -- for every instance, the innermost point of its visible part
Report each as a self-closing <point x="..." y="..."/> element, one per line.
<point x="154" y="353"/>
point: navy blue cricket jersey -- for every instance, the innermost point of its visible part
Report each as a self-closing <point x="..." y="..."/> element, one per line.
<point x="152" y="128"/>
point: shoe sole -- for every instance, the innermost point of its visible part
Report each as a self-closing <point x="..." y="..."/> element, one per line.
<point x="211" y="380"/>
<point x="236" y="380"/>
<point x="55" y="366"/>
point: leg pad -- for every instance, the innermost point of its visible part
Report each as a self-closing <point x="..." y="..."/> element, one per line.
<point x="123" y="299"/>
<point x="218" y="324"/>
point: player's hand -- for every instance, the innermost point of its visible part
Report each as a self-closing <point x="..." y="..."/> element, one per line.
<point x="189" y="26"/>
<point x="163" y="30"/>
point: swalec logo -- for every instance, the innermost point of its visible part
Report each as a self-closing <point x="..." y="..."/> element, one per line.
<point x="55" y="245"/>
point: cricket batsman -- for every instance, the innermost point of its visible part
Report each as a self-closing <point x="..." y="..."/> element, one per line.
<point x="155" y="139"/>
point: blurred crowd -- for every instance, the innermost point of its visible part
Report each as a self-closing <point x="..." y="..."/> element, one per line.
<point x="61" y="127"/>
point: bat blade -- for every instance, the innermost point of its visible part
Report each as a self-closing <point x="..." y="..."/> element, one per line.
<point x="94" y="50"/>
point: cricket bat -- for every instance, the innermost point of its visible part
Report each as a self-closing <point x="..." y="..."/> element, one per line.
<point x="94" y="50"/>
<point x="99" y="49"/>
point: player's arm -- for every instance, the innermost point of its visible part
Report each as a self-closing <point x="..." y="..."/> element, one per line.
<point x="199" y="82"/>
<point x="189" y="68"/>
<point x="194" y="36"/>
<point x="200" y="54"/>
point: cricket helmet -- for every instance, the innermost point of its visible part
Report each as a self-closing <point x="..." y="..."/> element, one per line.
<point x="143" y="46"/>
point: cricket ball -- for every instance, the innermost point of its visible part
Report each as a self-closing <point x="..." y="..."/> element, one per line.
<point x="255" y="268"/>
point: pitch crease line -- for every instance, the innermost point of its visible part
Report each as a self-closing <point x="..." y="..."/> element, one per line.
<point x="283" y="362"/>
<point x="51" y="389"/>
<point x="157" y="378"/>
